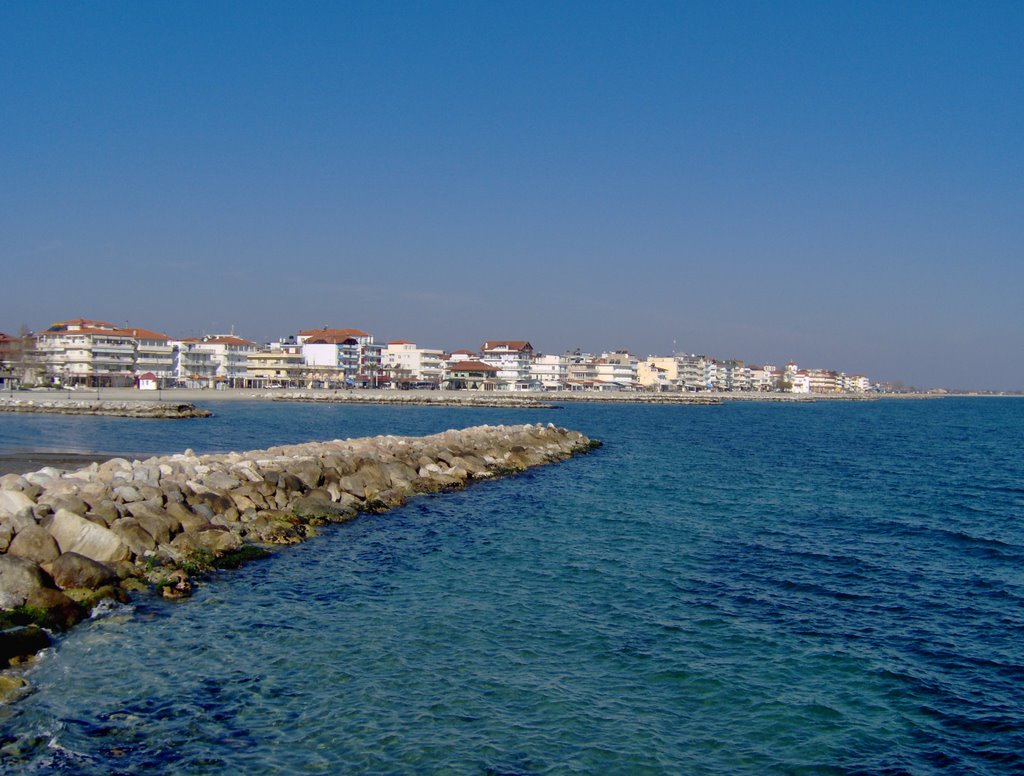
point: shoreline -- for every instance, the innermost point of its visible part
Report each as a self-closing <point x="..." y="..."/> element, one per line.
<point x="170" y="397"/>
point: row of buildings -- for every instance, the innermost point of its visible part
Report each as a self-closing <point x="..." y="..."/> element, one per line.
<point x="99" y="354"/>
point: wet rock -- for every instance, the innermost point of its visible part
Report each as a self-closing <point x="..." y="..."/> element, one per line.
<point x="178" y="585"/>
<point x="157" y="522"/>
<point x="19" y="577"/>
<point x="34" y="544"/>
<point x="11" y="687"/>
<point x="59" y="612"/>
<point x="72" y="570"/>
<point x="18" y="643"/>
<point x="137" y="538"/>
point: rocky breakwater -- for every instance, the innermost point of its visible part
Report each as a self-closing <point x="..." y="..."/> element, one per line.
<point x="120" y="409"/>
<point x="71" y="539"/>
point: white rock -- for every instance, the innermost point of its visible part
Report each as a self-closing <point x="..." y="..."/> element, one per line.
<point x="76" y="534"/>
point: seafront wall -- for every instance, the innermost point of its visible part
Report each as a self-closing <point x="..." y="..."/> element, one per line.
<point x="120" y="409"/>
<point x="69" y="539"/>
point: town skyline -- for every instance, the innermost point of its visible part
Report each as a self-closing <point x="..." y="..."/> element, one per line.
<point x="262" y="343"/>
<point x="833" y="184"/>
<point x="474" y="346"/>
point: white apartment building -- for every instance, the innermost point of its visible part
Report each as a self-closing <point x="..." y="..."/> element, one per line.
<point x="153" y="353"/>
<point x="512" y="359"/>
<point x="856" y="383"/>
<point x="352" y="351"/>
<point x="229" y="356"/>
<point x="403" y="362"/>
<point x="581" y="371"/>
<point x="696" y="373"/>
<point x="551" y="372"/>
<point x="88" y="353"/>
<point x="194" y="367"/>
<point x="616" y="370"/>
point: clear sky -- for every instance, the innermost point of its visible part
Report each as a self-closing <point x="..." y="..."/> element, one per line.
<point x="841" y="184"/>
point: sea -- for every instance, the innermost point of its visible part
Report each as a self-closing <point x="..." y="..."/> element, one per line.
<point x="750" y="588"/>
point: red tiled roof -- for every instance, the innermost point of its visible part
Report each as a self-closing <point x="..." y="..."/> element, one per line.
<point x="401" y="342"/>
<point x="144" y="334"/>
<point x="472" y="366"/>
<point x="51" y="332"/>
<point x="81" y="322"/>
<point x="147" y="376"/>
<point x="507" y="344"/>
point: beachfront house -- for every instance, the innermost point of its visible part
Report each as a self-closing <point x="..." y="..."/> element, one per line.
<point x="471" y="376"/>
<point x="512" y="359"/>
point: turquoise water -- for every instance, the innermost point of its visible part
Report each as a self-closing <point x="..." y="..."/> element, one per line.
<point x="831" y="588"/>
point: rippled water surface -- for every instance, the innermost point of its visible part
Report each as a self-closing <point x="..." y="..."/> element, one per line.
<point x="748" y="588"/>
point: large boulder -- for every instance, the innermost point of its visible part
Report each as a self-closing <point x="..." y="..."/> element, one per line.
<point x="34" y="543"/>
<point x="72" y="570"/>
<point x="14" y="501"/>
<point x="76" y="534"/>
<point x="18" y="578"/>
<point x="59" y="611"/>
<point x="132" y="533"/>
<point x="157" y="522"/>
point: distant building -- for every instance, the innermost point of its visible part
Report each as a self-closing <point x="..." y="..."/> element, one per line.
<point x="87" y="352"/>
<point x="153" y="352"/>
<point x="148" y="382"/>
<point x="658" y="373"/>
<point x="194" y="366"/>
<point x="616" y="371"/>
<point x="279" y="366"/>
<point x="551" y="372"/>
<point x="405" y="365"/>
<point x="471" y="375"/>
<point x="352" y="351"/>
<point x="230" y="357"/>
<point x="512" y="359"/>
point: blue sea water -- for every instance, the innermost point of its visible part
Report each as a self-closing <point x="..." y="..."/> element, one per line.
<point x="746" y="588"/>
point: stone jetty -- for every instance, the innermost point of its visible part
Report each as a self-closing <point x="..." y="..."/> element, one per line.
<point x="70" y="539"/>
<point x="120" y="409"/>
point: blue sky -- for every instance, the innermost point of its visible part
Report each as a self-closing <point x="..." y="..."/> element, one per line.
<point x="837" y="183"/>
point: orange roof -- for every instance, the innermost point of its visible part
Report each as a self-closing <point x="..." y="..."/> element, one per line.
<point x="326" y="332"/>
<point x="507" y="344"/>
<point x="51" y="332"/>
<point x="81" y="322"/>
<point x="147" y="376"/>
<point x="144" y="334"/>
<point x="401" y="342"/>
<point x="472" y="366"/>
